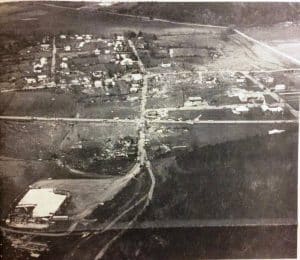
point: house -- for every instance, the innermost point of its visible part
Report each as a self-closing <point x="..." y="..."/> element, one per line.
<point x="240" y="80"/>
<point x="120" y="38"/>
<point x="97" y="74"/>
<point x="126" y="62"/>
<point x="64" y="65"/>
<point x="136" y="77"/>
<point x="30" y="80"/>
<point x="80" y="45"/>
<point x="97" y="52"/>
<point x="133" y="90"/>
<point x="240" y="109"/>
<point x="193" y="99"/>
<point x="275" y="131"/>
<point x="45" y="47"/>
<point x="165" y="65"/>
<point x="135" y="85"/>
<point x="67" y="48"/>
<point x="109" y="82"/>
<point x="280" y="87"/>
<point x="274" y="109"/>
<point x="42" y="78"/>
<point x="98" y="84"/>
<point x="75" y="82"/>
<point x="43" y="61"/>
<point x="269" y="80"/>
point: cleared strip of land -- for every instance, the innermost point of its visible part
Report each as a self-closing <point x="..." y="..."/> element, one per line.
<point x="67" y="119"/>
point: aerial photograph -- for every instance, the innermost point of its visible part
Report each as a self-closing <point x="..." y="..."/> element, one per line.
<point x="149" y="130"/>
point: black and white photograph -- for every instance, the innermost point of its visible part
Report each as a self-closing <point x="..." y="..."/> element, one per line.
<point x="149" y="130"/>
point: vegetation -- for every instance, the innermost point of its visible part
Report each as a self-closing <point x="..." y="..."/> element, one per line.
<point x="242" y="14"/>
<point x="250" y="178"/>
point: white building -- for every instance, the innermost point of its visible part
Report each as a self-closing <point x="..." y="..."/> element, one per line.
<point x="280" y="87"/>
<point x="98" y="84"/>
<point x="120" y="38"/>
<point x="126" y="62"/>
<point x="42" y="78"/>
<point x="165" y="65"/>
<point x="240" y="109"/>
<point x="30" y="80"/>
<point x="64" y="65"/>
<point x="136" y="77"/>
<point x="97" y="52"/>
<point x="67" y="48"/>
<point x="133" y="90"/>
<point x="277" y="109"/>
<point x="39" y="205"/>
<point x="275" y="131"/>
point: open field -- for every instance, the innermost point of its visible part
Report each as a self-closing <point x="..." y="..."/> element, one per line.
<point x="88" y="194"/>
<point x="188" y="136"/>
<point x="211" y="52"/>
<point x="58" y="20"/>
<point x="44" y="139"/>
<point x="52" y="104"/>
<point x="218" y="114"/>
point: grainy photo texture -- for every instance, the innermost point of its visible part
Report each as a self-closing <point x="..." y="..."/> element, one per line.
<point x="148" y="130"/>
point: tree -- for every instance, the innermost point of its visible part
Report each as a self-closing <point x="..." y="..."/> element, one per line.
<point x="130" y="34"/>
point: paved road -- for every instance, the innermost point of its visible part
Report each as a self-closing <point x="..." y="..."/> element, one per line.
<point x="295" y="121"/>
<point x="29" y="88"/>
<point x="68" y="119"/>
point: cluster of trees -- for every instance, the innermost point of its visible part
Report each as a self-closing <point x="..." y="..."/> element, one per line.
<point x="242" y="14"/>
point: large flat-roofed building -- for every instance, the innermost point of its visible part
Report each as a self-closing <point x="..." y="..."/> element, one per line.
<point x="37" y="208"/>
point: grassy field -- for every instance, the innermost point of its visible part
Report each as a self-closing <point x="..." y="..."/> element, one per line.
<point x="85" y="193"/>
<point x="226" y="114"/>
<point x="50" y="103"/>
<point x="208" y="134"/>
<point x="44" y="139"/>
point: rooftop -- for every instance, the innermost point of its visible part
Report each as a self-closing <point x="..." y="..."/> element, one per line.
<point x="45" y="201"/>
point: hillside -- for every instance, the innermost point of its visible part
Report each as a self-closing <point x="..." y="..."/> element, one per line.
<point x="240" y="14"/>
